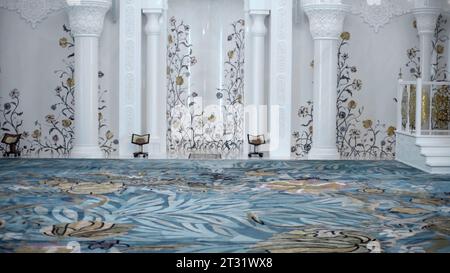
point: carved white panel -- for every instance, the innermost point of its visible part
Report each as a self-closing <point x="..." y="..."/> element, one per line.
<point x="375" y="13"/>
<point x="379" y="13"/>
<point x="33" y="11"/>
<point x="281" y="77"/>
<point x="130" y="74"/>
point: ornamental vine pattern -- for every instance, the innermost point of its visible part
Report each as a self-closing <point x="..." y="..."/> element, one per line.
<point x="190" y="127"/>
<point x="107" y="141"/>
<point x="303" y="139"/>
<point x="56" y="134"/>
<point x="180" y="103"/>
<point x="11" y="117"/>
<point x="357" y="137"/>
<point x="439" y="67"/>
<point x="233" y="90"/>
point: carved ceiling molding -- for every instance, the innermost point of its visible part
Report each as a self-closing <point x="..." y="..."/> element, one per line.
<point x="33" y="11"/>
<point x="380" y="14"/>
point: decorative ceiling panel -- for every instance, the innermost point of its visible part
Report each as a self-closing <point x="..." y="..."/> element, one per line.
<point x="378" y="13"/>
<point x="33" y="11"/>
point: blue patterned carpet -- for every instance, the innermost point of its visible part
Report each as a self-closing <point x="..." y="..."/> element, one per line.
<point x="221" y="206"/>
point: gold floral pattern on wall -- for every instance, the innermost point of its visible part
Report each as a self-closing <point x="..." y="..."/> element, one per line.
<point x="358" y="137"/>
<point x="55" y="134"/>
<point x="190" y="126"/>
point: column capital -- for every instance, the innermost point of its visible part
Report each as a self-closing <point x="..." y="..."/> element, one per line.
<point x="86" y="17"/>
<point x="326" y="20"/>
<point x="426" y="19"/>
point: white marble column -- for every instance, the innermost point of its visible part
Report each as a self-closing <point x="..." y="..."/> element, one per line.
<point x="326" y="24"/>
<point x="155" y="98"/>
<point x="86" y="22"/>
<point x="426" y="19"/>
<point x="258" y="94"/>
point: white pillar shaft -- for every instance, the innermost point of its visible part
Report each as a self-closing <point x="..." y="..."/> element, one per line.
<point x="326" y="23"/>
<point x="86" y="97"/>
<point x="426" y="51"/>
<point x="426" y="19"/>
<point x="155" y="110"/>
<point x="258" y="70"/>
<point x="325" y="97"/>
<point x="259" y="31"/>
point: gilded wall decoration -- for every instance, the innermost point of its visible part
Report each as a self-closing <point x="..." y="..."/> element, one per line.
<point x="357" y="137"/>
<point x="56" y="134"/>
<point x="190" y="127"/>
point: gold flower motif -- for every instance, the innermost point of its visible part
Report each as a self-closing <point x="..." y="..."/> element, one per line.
<point x="36" y="134"/>
<point x="179" y="80"/>
<point x="63" y="42"/>
<point x="352" y="104"/>
<point x="440" y="49"/>
<point x="345" y="36"/>
<point x="391" y="131"/>
<point x="367" y="124"/>
<point x="109" y="135"/>
<point x="231" y="54"/>
<point x="66" y="123"/>
<point x="212" y="118"/>
<point x="170" y="39"/>
<point x="70" y="82"/>
<point x="239" y="99"/>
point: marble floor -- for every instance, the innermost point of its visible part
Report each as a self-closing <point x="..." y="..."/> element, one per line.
<point x="62" y="205"/>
